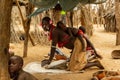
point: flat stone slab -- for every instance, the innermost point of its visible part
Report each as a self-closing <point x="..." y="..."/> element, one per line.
<point x="35" y="67"/>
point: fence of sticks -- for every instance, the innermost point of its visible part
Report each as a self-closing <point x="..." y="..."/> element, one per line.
<point x="37" y="35"/>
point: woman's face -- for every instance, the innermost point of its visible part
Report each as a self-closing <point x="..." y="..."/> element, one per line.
<point x="45" y="25"/>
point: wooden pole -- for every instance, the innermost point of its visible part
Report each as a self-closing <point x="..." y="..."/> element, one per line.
<point x="26" y="25"/>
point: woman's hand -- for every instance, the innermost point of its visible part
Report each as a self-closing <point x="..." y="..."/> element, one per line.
<point x="45" y="62"/>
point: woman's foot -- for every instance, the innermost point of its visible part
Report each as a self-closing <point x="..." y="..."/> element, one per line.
<point x="98" y="64"/>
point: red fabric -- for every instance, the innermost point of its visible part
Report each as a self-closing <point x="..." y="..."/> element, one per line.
<point x="61" y="44"/>
<point x="88" y="48"/>
<point x="80" y="32"/>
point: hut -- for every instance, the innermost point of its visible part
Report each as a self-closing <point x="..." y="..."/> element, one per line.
<point x="110" y="21"/>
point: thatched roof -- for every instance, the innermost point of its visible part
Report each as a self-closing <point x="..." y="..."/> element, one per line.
<point x="110" y="13"/>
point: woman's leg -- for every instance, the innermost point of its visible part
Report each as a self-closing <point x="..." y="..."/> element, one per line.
<point x="95" y="63"/>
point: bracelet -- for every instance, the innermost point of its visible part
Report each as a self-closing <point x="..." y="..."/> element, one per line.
<point x="53" y="46"/>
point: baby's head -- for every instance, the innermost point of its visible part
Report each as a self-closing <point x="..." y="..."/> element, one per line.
<point x="83" y="29"/>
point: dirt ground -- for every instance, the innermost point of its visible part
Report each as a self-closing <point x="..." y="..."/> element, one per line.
<point x="104" y="43"/>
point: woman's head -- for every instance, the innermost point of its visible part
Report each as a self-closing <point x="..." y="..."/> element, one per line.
<point x="46" y="23"/>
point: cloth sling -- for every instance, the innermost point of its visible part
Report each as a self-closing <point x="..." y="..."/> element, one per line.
<point x="78" y="58"/>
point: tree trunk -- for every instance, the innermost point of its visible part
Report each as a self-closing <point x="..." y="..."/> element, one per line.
<point x="117" y="16"/>
<point x="29" y="9"/>
<point x="71" y="18"/>
<point x="86" y="20"/>
<point x="5" y="17"/>
<point x="56" y="16"/>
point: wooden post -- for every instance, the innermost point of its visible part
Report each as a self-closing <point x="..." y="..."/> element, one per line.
<point x="117" y="16"/>
<point x="86" y="20"/>
<point x="26" y="25"/>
